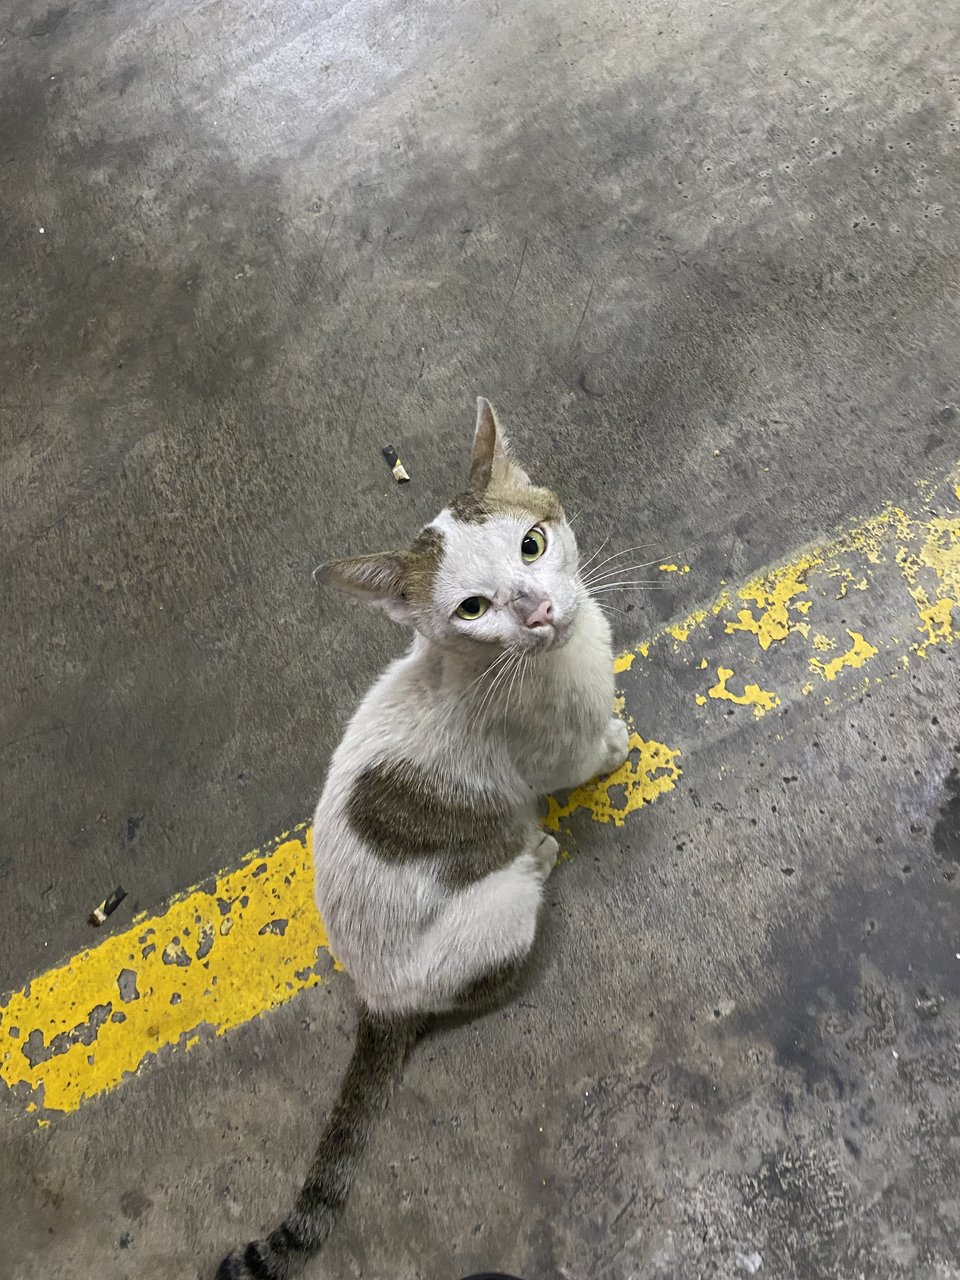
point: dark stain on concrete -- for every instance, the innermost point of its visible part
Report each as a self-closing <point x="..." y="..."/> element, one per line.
<point x="134" y="1203"/>
<point x="48" y="23"/>
<point x="946" y="831"/>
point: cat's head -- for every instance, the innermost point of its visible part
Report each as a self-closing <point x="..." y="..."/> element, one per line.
<point x="497" y="567"/>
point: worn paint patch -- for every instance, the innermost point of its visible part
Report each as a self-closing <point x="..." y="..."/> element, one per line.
<point x="651" y="770"/>
<point x="85" y="1025"/>
<point x="761" y="700"/>
<point x="860" y="651"/>
<point x="623" y="662"/>
<point x="773" y="596"/>
<point x="932" y="573"/>
<point x="781" y="602"/>
<point x="681" y="630"/>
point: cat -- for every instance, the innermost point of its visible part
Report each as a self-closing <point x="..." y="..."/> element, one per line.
<point x="430" y="859"/>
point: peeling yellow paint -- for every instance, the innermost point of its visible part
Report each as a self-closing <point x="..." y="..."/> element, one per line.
<point x="700" y="700"/>
<point x="823" y="643"/>
<point x="651" y="770"/>
<point x="773" y="595"/>
<point x="753" y="696"/>
<point x="681" y="630"/>
<point x="932" y="575"/>
<point x="674" y="568"/>
<point x="78" y="1029"/>
<point x="643" y="650"/>
<point x="860" y="651"/>
<point x="779" y="600"/>
<point x="623" y="662"/>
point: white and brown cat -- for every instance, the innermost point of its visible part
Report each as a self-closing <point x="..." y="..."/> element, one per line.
<point x="430" y="859"/>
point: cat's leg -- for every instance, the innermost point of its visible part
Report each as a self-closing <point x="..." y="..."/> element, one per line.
<point x="596" y="760"/>
<point x="478" y="943"/>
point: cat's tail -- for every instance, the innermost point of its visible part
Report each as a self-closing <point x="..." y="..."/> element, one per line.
<point x="381" y="1048"/>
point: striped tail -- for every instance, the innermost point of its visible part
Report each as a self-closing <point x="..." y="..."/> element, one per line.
<point x="381" y="1048"/>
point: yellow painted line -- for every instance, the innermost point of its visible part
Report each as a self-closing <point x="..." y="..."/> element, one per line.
<point x="218" y="956"/>
<point x="212" y="960"/>
<point x="785" y="602"/>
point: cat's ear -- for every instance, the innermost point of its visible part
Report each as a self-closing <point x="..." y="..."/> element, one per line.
<point x="492" y="465"/>
<point x="378" y="580"/>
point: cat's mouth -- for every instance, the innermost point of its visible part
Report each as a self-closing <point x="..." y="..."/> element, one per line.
<point x="552" y="636"/>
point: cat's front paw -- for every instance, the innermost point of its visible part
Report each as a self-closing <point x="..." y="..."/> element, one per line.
<point x="616" y="745"/>
<point x="545" y="854"/>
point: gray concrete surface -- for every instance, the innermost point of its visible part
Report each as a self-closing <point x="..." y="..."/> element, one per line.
<point x="704" y="258"/>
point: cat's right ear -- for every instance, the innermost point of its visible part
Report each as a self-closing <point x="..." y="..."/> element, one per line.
<point x="378" y="580"/>
<point x="492" y="465"/>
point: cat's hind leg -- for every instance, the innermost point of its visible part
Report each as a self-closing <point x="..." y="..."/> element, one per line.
<point x="478" y="943"/>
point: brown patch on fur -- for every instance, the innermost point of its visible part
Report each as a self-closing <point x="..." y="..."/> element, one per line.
<point x="406" y="575"/>
<point x="542" y="505"/>
<point x="470" y="507"/>
<point x="422" y="564"/>
<point x="403" y="811"/>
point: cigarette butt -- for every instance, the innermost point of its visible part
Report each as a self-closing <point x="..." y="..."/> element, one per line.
<point x="108" y="906"/>
<point x="395" y="465"/>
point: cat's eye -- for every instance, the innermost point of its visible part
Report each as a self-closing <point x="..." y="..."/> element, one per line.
<point x="472" y="608"/>
<point x="534" y="544"/>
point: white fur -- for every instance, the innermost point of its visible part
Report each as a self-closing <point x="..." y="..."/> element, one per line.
<point x="522" y="710"/>
<point x="484" y="561"/>
<point x="408" y="942"/>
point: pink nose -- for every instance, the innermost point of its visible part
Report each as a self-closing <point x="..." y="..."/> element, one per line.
<point x="541" y="615"/>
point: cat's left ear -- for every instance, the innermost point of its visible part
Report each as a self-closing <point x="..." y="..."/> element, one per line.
<point x="379" y="580"/>
<point x="492" y="465"/>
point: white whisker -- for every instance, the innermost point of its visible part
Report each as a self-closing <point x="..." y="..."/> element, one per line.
<point x="506" y="703"/>
<point x="488" y="698"/>
<point x="621" y="568"/>
<point x="643" y="546"/>
<point x="490" y="667"/>
<point x="595" y="554"/>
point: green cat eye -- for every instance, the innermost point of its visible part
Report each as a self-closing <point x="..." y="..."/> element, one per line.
<point x="472" y="608"/>
<point x="534" y="544"/>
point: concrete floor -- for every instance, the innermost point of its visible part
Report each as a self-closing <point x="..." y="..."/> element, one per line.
<point x="704" y="258"/>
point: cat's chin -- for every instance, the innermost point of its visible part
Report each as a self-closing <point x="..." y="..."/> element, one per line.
<point x="557" y="637"/>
